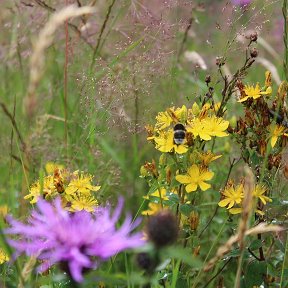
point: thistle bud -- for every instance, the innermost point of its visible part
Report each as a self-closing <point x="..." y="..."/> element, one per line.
<point x="162" y="229"/>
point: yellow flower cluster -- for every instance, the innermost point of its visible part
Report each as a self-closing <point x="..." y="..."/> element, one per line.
<point x="157" y="200"/>
<point x="233" y="195"/>
<point x="251" y="92"/>
<point x="75" y="189"/>
<point x="199" y="123"/>
<point x="3" y="256"/>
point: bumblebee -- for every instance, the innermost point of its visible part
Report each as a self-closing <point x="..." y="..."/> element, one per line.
<point x="179" y="134"/>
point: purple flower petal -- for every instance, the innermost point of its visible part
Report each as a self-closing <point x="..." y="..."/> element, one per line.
<point x="55" y="235"/>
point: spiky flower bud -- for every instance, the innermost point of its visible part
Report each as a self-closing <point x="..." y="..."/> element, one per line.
<point x="162" y="229"/>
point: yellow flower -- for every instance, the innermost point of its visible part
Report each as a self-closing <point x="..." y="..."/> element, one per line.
<point x="259" y="192"/>
<point x="82" y="202"/>
<point x="276" y="131"/>
<point x="165" y="143"/>
<point x="181" y="114"/>
<point x="163" y="120"/>
<point x="232" y="195"/>
<point x="3" y="256"/>
<point x="195" y="177"/>
<point x="50" y="167"/>
<point x="162" y="194"/>
<point x="81" y="183"/>
<point x="3" y="211"/>
<point x="254" y="92"/>
<point x="153" y="208"/>
<point x="48" y="189"/>
<point x="208" y="127"/>
<point x="208" y="157"/>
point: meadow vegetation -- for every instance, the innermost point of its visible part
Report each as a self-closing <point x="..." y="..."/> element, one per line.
<point x="143" y="143"/>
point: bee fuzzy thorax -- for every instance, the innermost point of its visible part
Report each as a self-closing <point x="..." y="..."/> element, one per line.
<point x="179" y="134"/>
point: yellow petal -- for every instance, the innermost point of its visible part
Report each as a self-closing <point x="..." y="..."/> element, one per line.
<point x="235" y="210"/>
<point x="184" y="179"/>
<point x="224" y="202"/>
<point x="180" y="149"/>
<point x="191" y="187"/>
<point x="273" y="141"/>
<point x="204" y="186"/>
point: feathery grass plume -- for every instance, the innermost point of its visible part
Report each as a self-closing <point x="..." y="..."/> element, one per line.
<point x="225" y="248"/>
<point x="44" y="40"/>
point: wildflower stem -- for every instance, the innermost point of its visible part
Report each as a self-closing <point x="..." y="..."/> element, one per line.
<point x="282" y="283"/>
<point x="285" y="39"/>
<point x="218" y="272"/>
<point x="216" y="209"/>
<point x="175" y="274"/>
<point x="95" y="52"/>
<point x="65" y="82"/>
<point x="188" y="27"/>
<point x="208" y="254"/>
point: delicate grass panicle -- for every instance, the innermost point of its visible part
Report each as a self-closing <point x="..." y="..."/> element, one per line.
<point x="45" y="39"/>
<point x="205" y="81"/>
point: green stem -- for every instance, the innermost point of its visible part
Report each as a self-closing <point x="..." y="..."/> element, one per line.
<point x="285" y="39"/>
<point x="208" y="254"/>
<point x="282" y="281"/>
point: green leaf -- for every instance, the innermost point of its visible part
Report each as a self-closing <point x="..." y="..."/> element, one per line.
<point x="184" y="255"/>
<point x="256" y="244"/>
<point x="254" y="273"/>
<point x="186" y="209"/>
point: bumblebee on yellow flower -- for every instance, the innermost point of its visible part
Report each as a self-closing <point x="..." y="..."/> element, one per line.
<point x="195" y="121"/>
<point x="165" y="143"/>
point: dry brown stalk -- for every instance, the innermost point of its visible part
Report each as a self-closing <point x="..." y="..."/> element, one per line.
<point x="45" y="39"/>
<point x="247" y="205"/>
<point x="224" y="249"/>
<point x="27" y="270"/>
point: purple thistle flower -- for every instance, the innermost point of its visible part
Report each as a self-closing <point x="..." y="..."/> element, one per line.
<point x="55" y="235"/>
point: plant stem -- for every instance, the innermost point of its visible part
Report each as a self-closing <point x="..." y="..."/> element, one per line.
<point x="285" y="39"/>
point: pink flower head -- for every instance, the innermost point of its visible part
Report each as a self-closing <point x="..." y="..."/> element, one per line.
<point x="55" y="235"/>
